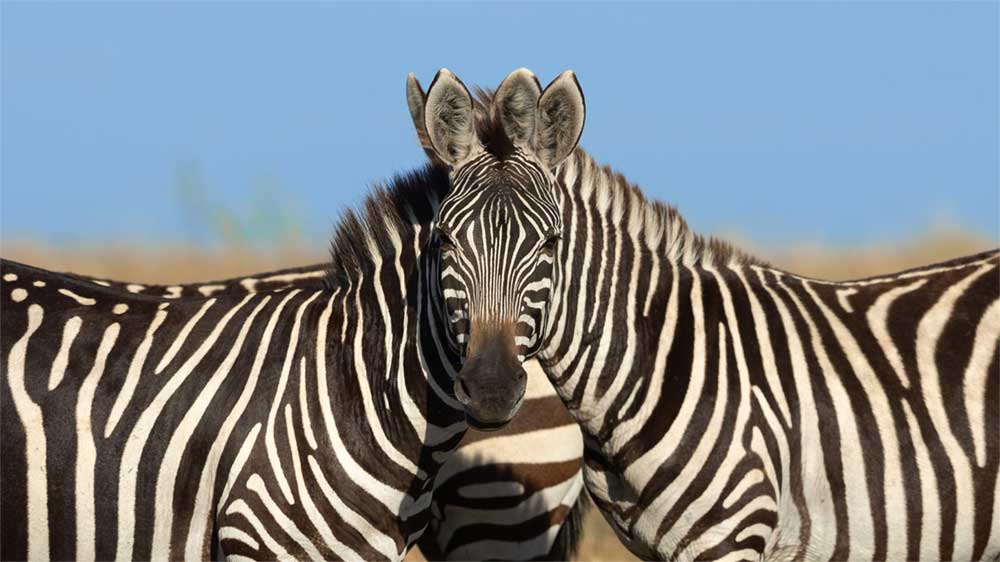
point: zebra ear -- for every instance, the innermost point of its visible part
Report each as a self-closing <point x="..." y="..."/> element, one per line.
<point x="449" y="119"/>
<point x="561" y="113"/>
<point x="415" y="99"/>
<point x="517" y="100"/>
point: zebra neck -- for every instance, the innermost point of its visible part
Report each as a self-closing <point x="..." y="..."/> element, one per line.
<point x="625" y="270"/>
<point x="384" y="339"/>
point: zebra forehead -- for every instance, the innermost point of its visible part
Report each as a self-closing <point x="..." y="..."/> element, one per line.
<point x="503" y="216"/>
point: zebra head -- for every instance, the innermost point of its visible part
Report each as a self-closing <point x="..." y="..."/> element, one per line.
<point x="498" y="228"/>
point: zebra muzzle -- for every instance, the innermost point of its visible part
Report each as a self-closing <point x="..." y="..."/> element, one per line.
<point x="491" y="388"/>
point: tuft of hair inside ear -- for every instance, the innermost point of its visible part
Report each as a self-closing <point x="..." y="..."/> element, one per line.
<point x="561" y="114"/>
<point x="453" y="114"/>
<point x="557" y="125"/>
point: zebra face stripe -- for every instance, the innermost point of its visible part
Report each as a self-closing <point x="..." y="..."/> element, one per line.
<point x="497" y="233"/>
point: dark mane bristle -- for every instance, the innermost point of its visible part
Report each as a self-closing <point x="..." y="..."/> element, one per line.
<point x="489" y="127"/>
<point x="395" y="207"/>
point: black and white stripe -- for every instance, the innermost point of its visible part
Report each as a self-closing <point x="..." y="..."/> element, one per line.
<point x="261" y="418"/>
<point x="732" y="411"/>
<point x="306" y="422"/>
<point x="513" y="494"/>
<point x="270" y="424"/>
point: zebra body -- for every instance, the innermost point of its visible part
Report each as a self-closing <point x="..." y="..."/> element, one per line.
<point x="787" y="417"/>
<point x="512" y="494"/>
<point x="303" y="423"/>
<point x="732" y="411"/>
<point x="265" y="422"/>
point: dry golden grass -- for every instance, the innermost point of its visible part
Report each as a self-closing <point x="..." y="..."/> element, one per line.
<point x="184" y="264"/>
<point x="181" y="264"/>
<point x="160" y="264"/>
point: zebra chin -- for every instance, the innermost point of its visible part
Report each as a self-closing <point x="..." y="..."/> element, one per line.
<point x="491" y="387"/>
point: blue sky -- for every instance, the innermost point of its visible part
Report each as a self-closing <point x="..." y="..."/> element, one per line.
<point x="783" y="122"/>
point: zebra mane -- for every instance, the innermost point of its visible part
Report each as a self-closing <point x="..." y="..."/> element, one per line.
<point x="659" y="225"/>
<point x="391" y="212"/>
<point x="489" y="127"/>
<point x="393" y="209"/>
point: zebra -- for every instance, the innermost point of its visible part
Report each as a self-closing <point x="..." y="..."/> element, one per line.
<point x="282" y="423"/>
<point x="730" y="410"/>
<point x="511" y="494"/>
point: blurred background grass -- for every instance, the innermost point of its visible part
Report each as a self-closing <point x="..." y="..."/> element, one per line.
<point x="231" y="254"/>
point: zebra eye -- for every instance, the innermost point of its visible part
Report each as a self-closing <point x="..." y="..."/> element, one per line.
<point x="549" y="246"/>
<point x="445" y="244"/>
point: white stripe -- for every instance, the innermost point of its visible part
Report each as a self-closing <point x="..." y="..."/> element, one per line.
<point x="256" y="484"/>
<point x="240" y="507"/>
<point x="182" y="336"/>
<point x="307" y="428"/>
<point x="85" y="301"/>
<point x="984" y="350"/>
<point x="819" y="502"/>
<point x="86" y="452"/>
<point x="928" y="332"/>
<point x="646" y="465"/>
<point x="930" y="507"/>
<point x="129" y="468"/>
<point x="842" y="295"/>
<point x="132" y="377"/>
<point x="166" y="478"/>
<point x="250" y="283"/>
<point x="648" y="461"/>
<point x="859" y="522"/>
<point x="892" y="469"/>
<point x="236" y="467"/>
<point x="749" y="479"/>
<point x="364" y="385"/>
<point x="768" y="362"/>
<point x="70" y="331"/>
<point x="878" y="322"/>
<point x="757" y="529"/>
<point x="200" y="517"/>
<point x="390" y="497"/>
<point x="235" y="534"/>
<point x="30" y="414"/>
<point x="343" y="551"/>
<point x="378" y="540"/>
<point x="711" y="497"/>
<point x="511" y="448"/>
<point x="208" y="290"/>
<point x="457" y="517"/>
<point x="279" y="395"/>
<point x="906" y="275"/>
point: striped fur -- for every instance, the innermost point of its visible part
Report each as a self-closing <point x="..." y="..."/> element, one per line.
<point x="732" y="411"/>
<point x="778" y="415"/>
<point x="512" y="494"/>
<point x="57" y="323"/>
<point x="274" y="424"/>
